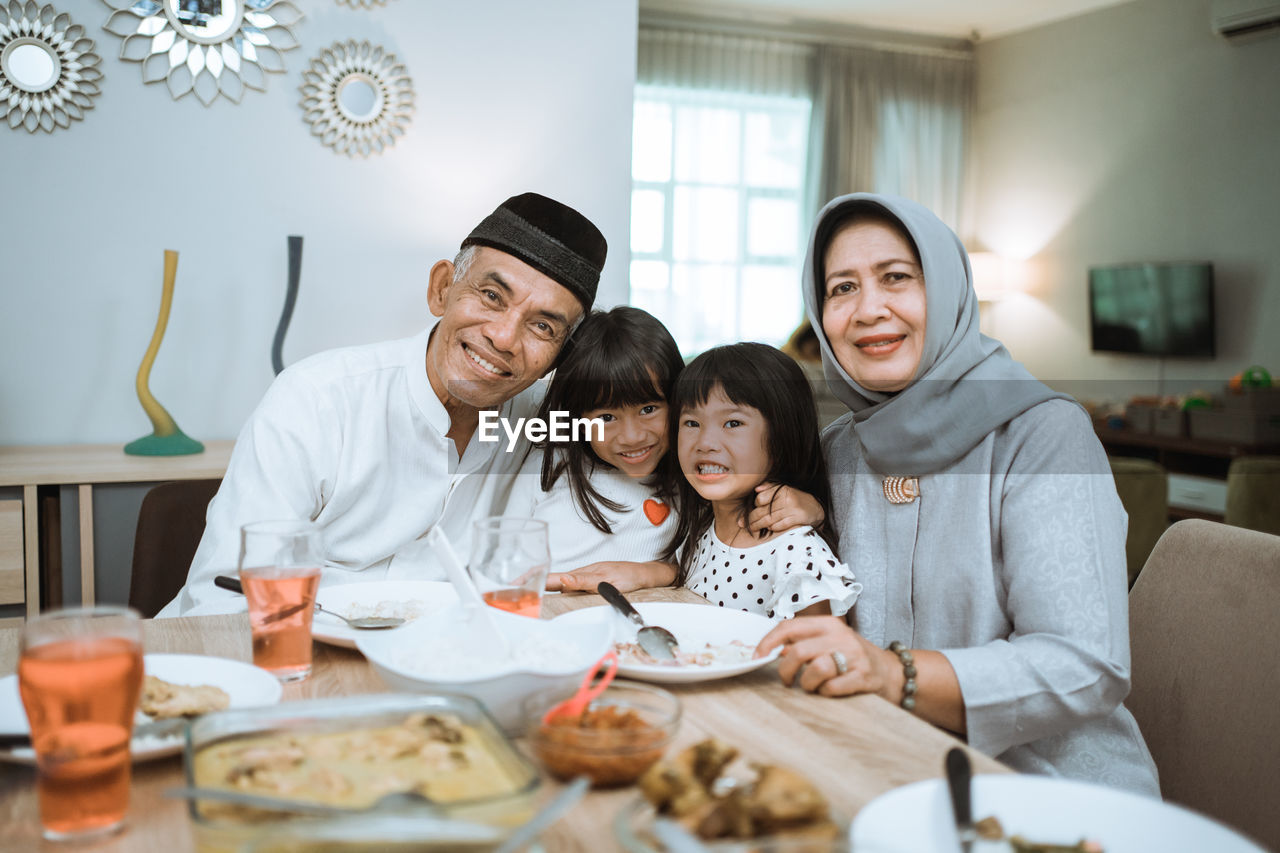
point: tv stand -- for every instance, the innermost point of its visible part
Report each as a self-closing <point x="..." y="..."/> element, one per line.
<point x="1180" y="455"/>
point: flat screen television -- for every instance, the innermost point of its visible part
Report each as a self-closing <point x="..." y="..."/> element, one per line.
<point x="1152" y="309"/>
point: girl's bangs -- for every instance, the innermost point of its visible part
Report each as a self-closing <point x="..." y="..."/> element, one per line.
<point x="619" y="379"/>
<point x="718" y="369"/>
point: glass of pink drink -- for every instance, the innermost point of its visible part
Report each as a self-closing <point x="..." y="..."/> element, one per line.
<point x="80" y="675"/>
<point x="280" y="572"/>
<point x="509" y="563"/>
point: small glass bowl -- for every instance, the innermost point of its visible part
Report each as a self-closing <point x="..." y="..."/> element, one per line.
<point x="609" y="757"/>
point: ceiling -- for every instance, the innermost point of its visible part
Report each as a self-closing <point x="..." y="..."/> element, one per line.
<point x="949" y="18"/>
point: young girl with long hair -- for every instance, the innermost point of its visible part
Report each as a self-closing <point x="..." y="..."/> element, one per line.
<point x="609" y="495"/>
<point x="744" y="415"/>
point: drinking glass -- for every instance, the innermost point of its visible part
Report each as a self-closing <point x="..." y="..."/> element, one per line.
<point x="80" y="676"/>
<point x="509" y="562"/>
<point x="280" y="572"/>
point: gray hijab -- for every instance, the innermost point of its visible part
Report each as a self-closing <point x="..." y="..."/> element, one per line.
<point x="966" y="385"/>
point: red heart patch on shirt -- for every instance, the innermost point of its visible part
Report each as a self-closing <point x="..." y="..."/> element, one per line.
<point x="656" y="511"/>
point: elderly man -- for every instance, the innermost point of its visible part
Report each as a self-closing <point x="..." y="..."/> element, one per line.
<point x="376" y="443"/>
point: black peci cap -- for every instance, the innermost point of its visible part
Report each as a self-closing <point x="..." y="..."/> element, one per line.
<point x="551" y="237"/>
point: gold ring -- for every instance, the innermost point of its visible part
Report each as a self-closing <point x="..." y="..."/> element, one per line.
<point x="842" y="665"/>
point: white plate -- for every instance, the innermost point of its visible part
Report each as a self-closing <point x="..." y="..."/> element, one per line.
<point x="330" y="629"/>
<point x="917" y="818"/>
<point x="247" y="685"/>
<point x="694" y="625"/>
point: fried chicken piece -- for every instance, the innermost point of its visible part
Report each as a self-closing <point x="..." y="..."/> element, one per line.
<point x="162" y="700"/>
<point x="682" y="784"/>
<point x="725" y="817"/>
<point x="782" y="797"/>
<point x="672" y="788"/>
<point x="710" y="758"/>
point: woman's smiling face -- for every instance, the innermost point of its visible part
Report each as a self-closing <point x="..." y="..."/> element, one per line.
<point x="723" y="448"/>
<point x="873" y="308"/>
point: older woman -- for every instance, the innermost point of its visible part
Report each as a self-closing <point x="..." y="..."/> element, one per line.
<point x="977" y="508"/>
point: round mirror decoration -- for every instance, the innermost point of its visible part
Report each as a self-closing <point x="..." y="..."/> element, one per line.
<point x="357" y="98"/>
<point x="210" y="47"/>
<point x="48" y="71"/>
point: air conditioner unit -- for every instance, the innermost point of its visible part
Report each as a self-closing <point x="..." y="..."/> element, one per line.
<point x="1239" y="18"/>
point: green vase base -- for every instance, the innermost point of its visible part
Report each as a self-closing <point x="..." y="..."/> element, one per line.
<point x="177" y="444"/>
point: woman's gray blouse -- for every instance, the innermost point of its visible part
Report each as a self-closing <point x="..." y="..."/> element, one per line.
<point x="1012" y="564"/>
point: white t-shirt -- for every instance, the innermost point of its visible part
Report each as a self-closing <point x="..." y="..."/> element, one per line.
<point x="355" y="439"/>
<point x="640" y="532"/>
<point x="777" y="578"/>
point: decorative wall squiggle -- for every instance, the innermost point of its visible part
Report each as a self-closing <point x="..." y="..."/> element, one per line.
<point x="290" y="299"/>
<point x="167" y="439"/>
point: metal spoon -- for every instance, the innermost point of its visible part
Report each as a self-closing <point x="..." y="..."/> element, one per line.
<point x="394" y="801"/>
<point x="658" y="642"/>
<point x="364" y="623"/>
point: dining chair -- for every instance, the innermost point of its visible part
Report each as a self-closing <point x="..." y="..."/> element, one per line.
<point x="1253" y="493"/>
<point x="1143" y="486"/>
<point x="170" y="525"/>
<point x="1206" y="671"/>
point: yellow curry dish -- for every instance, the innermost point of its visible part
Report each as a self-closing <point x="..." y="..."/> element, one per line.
<point x="349" y="753"/>
<point x="436" y="755"/>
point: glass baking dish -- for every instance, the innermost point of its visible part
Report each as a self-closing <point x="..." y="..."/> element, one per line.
<point x="219" y="829"/>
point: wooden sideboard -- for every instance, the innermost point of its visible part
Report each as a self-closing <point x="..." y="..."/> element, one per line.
<point x="83" y="466"/>
<point x="1180" y="455"/>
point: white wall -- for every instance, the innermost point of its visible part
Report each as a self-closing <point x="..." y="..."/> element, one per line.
<point x="511" y="96"/>
<point x="1131" y="134"/>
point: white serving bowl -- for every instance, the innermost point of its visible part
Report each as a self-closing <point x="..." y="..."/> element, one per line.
<point x="424" y="657"/>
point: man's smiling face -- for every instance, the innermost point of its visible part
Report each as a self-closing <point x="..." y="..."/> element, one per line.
<point x="502" y="324"/>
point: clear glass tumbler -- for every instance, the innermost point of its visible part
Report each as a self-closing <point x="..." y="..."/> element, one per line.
<point x="509" y="563"/>
<point x="280" y="571"/>
<point x="80" y="676"/>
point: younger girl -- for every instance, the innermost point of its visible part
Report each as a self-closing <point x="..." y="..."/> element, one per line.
<point x="745" y="415"/>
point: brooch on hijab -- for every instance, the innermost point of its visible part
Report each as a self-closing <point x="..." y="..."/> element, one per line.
<point x="901" y="490"/>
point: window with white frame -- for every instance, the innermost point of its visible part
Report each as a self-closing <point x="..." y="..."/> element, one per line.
<point x="717" y="224"/>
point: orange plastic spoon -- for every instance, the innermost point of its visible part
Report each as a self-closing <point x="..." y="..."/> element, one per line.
<point x="606" y="668"/>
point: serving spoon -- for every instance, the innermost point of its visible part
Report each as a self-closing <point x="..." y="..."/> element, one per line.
<point x="394" y="801"/>
<point x="605" y="668"/>
<point x="363" y="623"/>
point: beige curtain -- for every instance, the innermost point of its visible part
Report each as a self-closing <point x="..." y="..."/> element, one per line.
<point x="723" y="63"/>
<point x="891" y="122"/>
<point x="884" y="119"/>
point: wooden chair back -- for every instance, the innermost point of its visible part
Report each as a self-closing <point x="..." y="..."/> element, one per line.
<point x="170" y="525"/>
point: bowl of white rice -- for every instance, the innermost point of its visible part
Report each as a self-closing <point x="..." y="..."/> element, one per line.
<point x="431" y="656"/>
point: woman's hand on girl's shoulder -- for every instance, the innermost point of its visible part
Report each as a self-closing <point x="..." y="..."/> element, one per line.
<point x="626" y="576"/>
<point x="813" y="648"/>
<point x="780" y="508"/>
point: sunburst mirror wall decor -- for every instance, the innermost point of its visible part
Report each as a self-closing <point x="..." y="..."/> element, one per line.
<point x="210" y="47"/>
<point x="48" y="71"/>
<point x="357" y="98"/>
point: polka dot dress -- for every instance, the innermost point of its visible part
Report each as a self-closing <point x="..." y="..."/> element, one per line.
<point x="777" y="578"/>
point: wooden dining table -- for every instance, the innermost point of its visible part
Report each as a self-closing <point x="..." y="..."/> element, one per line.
<point x="853" y="748"/>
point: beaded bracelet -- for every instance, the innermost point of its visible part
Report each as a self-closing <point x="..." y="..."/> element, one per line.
<point x="909" y="670"/>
